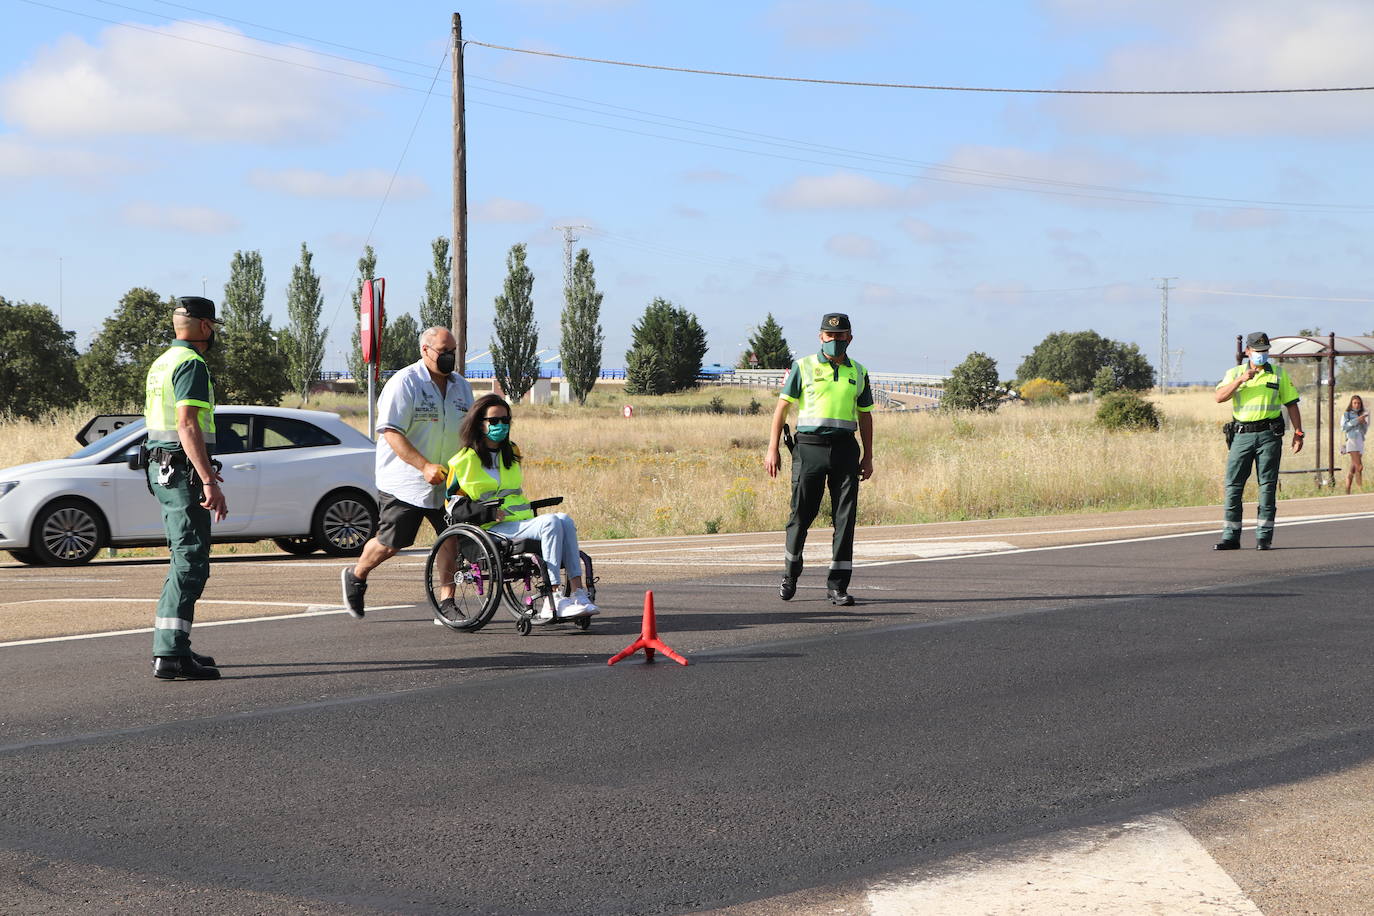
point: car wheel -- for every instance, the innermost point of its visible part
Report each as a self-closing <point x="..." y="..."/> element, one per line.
<point x="67" y="532"/>
<point x="344" y="521"/>
<point x="299" y="546"/>
<point x="27" y="557"/>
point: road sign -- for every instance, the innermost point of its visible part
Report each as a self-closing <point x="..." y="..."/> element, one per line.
<point x="101" y="426"/>
<point x="372" y="315"/>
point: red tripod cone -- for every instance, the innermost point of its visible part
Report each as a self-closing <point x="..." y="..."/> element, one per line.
<point x="648" y="638"/>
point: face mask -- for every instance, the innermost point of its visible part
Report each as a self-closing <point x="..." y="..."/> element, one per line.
<point x="446" y="362"/>
<point x="834" y="347"/>
<point x="210" y="341"/>
<point x="497" y="432"/>
<point x="1260" y="359"/>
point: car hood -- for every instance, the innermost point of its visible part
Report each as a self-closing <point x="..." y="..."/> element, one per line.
<point x="33" y="468"/>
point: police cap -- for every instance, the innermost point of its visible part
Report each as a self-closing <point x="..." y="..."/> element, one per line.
<point x="835" y="321"/>
<point x="1257" y="341"/>
<point x="197" y="307"/>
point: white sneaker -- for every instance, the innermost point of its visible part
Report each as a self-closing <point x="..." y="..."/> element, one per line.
<point x="581" y="598"/>
<point x="547" y="610"/>
<point x="567" y="608"/>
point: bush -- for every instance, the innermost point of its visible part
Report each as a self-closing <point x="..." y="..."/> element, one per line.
<point x="1127" y="410"/>
<point x="1104" y="383"/>
<point x="1044" y="391"/>
<point x="717" y="405"/>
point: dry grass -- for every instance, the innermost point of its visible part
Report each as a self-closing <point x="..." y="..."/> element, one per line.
<point x="678" y="468"/>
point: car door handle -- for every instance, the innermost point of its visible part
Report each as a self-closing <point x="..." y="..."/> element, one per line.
<point x="244" y="467"/>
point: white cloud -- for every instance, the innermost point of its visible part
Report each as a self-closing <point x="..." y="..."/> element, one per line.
<point x="183" y="80"/>
<point x="927" y="234"/>
<point x="356" y="183"/>
<point x="853" y="245"/>
<point x="1237" y="220"/>
<point x="1226" y="44"/>
<point x="22" y="159"/>
<point x="193" y="220"/>
<point x="505" y="210"/>
<point x="829" y="24"/>
<point x="839" y="191"/>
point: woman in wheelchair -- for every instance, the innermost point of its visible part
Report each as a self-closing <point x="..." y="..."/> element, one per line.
<point x="488" y="467"/>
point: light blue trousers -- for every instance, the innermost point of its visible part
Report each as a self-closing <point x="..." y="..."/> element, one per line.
<point x="556" y="534"/>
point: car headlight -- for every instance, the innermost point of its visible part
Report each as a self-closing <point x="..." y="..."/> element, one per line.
<point x="7" y="485"/>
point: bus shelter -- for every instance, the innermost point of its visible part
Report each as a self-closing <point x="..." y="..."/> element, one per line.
<point x="1322" y="350"/>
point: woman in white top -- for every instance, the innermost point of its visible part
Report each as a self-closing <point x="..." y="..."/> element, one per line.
<point x="1355" y="423"/>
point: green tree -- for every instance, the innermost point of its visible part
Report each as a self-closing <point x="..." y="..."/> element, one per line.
<point x="973" y="385"/>
<point x="515" y="343"/>
<point x="1127" y="410"/>
<point x="252" y="363"/>
<point x="367" y="270"/>
<point x="400" y="342"/>
<point x="580" y="347"/>
<point x="436" y="308"/>
<point x="37" y="361"/>
<point x="114" y="368"/>
<point x="676" y="338"/>
<point x="303" y="340"/>
<point x="1356" y="373"/>
<point x="644" y="372"/>
<point x="1074" y="358"/>
<point x="768" y="347"/>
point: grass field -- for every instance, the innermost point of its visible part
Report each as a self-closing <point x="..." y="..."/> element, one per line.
<point x="677" y="467"/>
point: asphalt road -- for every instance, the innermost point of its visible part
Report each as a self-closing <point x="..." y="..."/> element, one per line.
<point x="392" y="766"/>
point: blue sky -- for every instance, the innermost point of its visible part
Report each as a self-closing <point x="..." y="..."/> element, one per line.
<point x="142" y="143"/>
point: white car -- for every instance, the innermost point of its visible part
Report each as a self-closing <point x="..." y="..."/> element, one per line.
<point x="301" y="477"/>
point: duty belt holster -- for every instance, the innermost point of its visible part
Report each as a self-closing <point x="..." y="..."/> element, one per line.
<point x="170" y="460"/>
<point x="787" y="439"/>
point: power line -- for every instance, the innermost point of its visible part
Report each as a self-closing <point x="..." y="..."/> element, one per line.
<point x="937" y="88"/>
<point x="1229" y="292"/>
<point x="1113" y="193"/>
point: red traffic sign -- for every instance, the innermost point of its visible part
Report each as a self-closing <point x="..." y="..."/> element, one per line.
<point x="628" y="411"/>
<point x="372" y="316"/>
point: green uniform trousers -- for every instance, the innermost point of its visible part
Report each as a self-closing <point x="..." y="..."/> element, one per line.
<point x="188" y="536"/>
<point x="814" y="469"/>
<point x="1262" y="450"/>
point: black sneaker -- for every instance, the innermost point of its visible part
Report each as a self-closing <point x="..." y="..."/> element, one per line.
<point x="353" y="591"/>
<point x="788" y="588"/>
<point x="1226" y="545"/>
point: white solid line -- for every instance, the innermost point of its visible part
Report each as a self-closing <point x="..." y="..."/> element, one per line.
<point x="320" y="612"/>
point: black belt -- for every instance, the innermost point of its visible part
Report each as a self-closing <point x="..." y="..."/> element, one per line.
<point x="828" y="439"/>
<point x="1259" y="426"/>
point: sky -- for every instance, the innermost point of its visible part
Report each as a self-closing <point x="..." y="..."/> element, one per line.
<point x="143" y="143"/>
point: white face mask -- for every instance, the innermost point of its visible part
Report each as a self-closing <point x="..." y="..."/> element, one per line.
<point x="1260" y="359"/>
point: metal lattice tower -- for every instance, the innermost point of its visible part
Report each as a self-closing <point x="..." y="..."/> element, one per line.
<point x="569" y="240"/>
<point x="1164" y="334"/>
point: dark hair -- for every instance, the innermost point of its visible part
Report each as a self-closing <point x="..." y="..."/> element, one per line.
<point x="473" y="432"/>
<point x="1351" y="405"/>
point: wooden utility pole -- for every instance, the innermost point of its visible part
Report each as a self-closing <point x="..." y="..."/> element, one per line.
<point x="460" y="201"/>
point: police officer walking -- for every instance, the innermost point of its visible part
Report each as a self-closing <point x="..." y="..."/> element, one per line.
<point x="1258" y="391"/>
<point x="180" y="414"/>
<point x="834" y="401"/>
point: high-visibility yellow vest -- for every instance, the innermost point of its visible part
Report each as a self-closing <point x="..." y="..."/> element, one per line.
<point x="1261" y="398"/>
<point x="830" y="398"/>
<point x="160" y="404"/>
<point x="466" y="473"/>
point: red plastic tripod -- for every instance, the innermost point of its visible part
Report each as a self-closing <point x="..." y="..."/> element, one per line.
<point x="648" y="639"/>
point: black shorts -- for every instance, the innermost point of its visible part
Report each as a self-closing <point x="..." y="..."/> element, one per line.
<point x="398" y="522"/>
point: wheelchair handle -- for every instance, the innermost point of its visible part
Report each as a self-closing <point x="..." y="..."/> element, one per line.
<point x="537" y="504"/>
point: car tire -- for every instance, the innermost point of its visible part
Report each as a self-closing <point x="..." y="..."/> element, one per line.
<point x="68" y="532"/>
<point x="344" y="521"/>
<point x="27" y="557"/>
<point x="297" y="546"/>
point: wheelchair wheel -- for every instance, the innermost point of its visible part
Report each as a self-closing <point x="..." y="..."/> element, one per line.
<point x="476" y="580"/>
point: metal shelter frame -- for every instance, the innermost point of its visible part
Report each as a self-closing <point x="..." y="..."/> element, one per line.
<point x="1324" y="350"/>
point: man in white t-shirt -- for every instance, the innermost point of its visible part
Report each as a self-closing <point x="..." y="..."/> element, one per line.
<point x="418" y="415"/>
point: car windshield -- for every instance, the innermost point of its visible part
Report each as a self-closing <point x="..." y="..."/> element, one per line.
<point x="99" y="445"/>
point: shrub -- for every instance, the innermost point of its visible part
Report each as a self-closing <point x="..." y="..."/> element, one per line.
<point x="1044" y="391"/>
<point x="1104" y="383"/>
<point x="717" y="404"/>
<point x="1127" y="410"/>
<point x="754" y="407"/>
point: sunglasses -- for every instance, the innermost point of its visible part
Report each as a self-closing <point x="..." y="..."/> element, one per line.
<point x="505" y="419"/>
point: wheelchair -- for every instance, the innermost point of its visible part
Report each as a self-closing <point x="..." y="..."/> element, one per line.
<point x="483" y="567"/>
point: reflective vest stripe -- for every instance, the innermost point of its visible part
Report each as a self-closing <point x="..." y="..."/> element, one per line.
<point x="828" y="421"/>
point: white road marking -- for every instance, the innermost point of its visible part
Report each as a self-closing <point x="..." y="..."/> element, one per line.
<point x="154" y="600"/>
<point x="312" y="610"/>
<point x="1148" y="865"/>
<point x="42" y="578"/>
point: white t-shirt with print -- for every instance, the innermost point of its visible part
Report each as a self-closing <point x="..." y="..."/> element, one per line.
<point x="412" y="405"/>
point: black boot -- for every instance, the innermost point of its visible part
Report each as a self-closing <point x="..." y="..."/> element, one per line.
<point x="1226" y="544"/>
<point x="788" y="588"/>
<point x="171" y="667"/>
<point x="839" y="597"/>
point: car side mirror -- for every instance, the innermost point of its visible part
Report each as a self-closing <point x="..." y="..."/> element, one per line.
<point x="137" y="457"/>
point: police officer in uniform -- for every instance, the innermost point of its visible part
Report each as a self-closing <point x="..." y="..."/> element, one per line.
<point x="1259" y="392"/>
<point x="834" y="402"/>
<point x="180" y="414"/>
